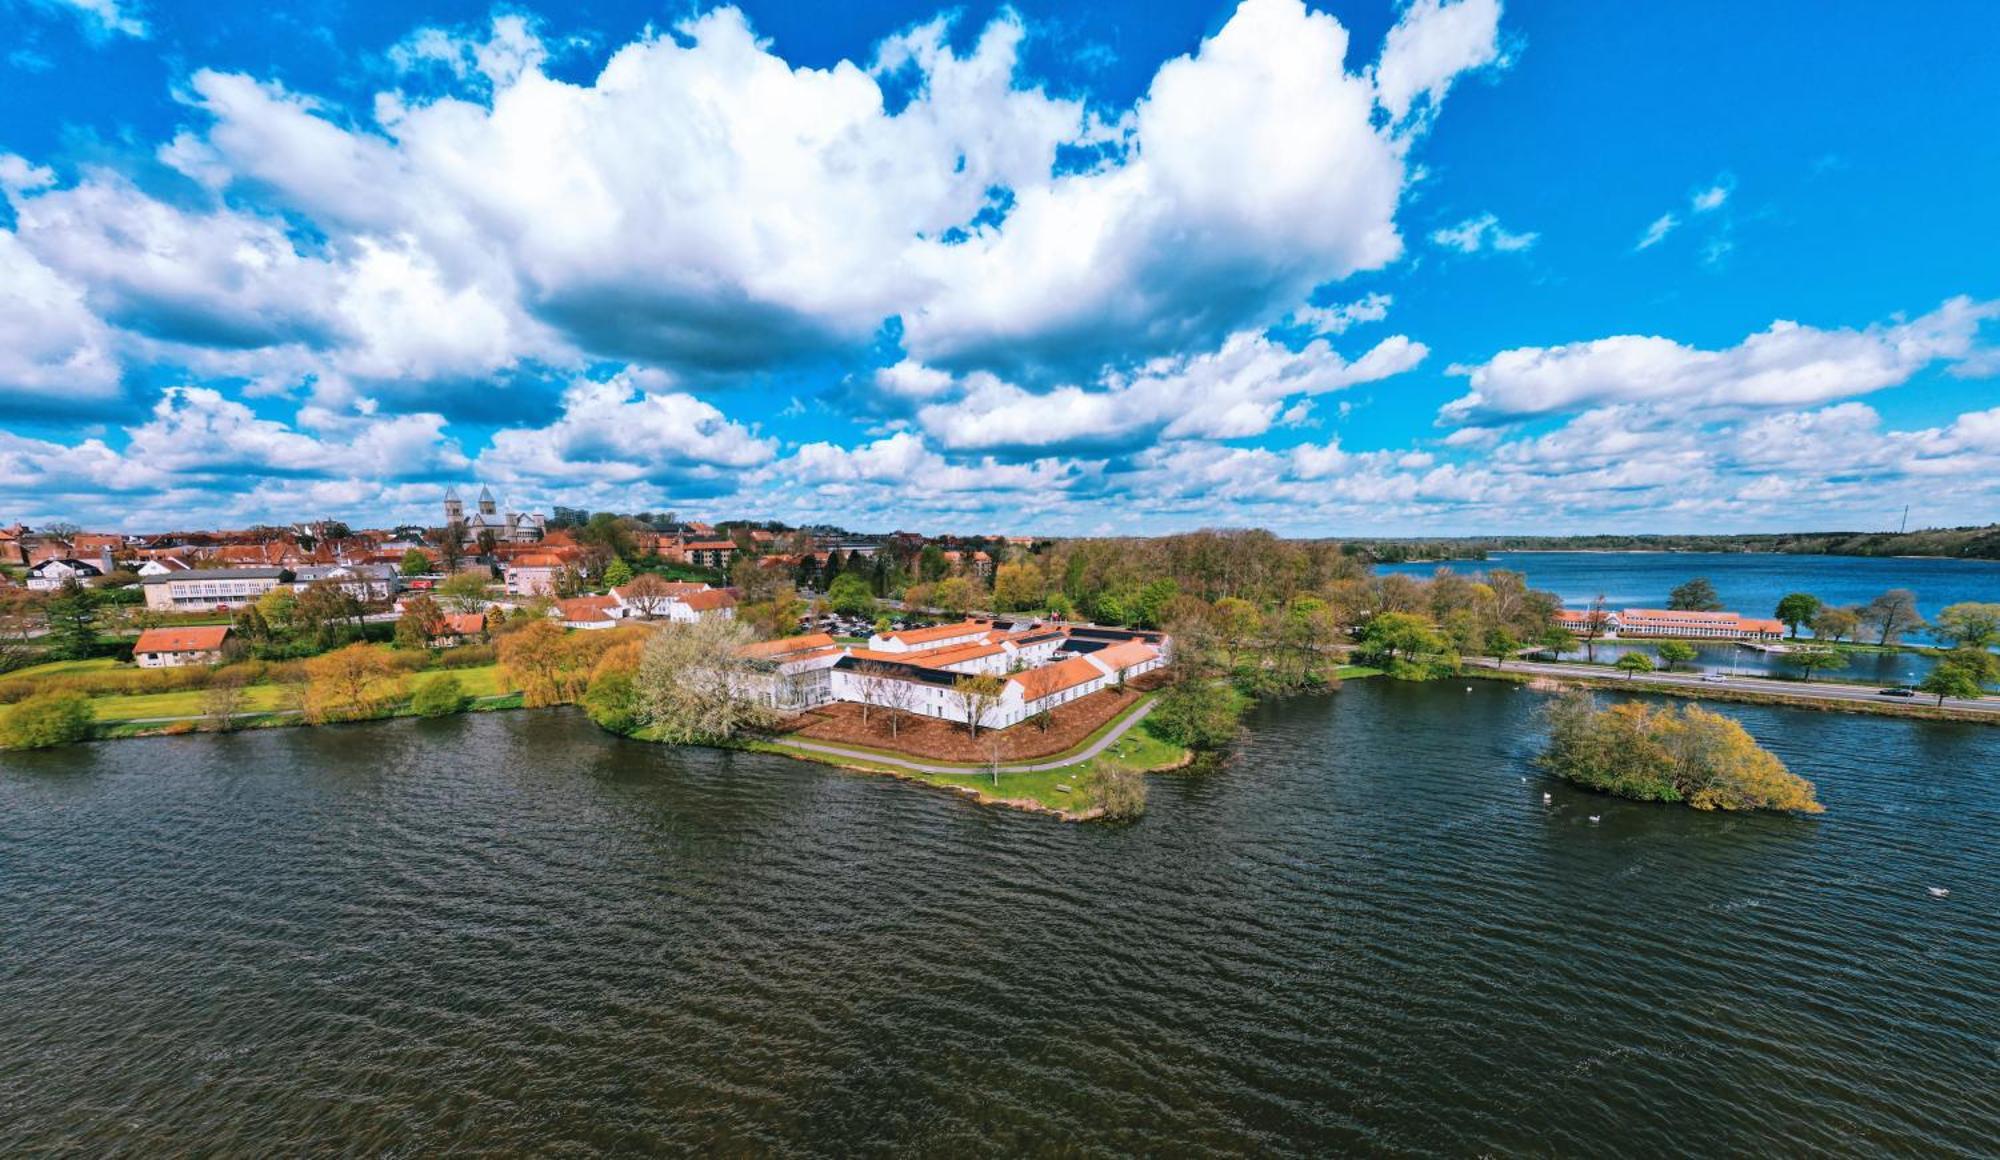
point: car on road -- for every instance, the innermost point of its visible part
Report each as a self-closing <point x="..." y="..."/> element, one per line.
<point x="1896" y="691"/>
<point x="1715" y="678"/>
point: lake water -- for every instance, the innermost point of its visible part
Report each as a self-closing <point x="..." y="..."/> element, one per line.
<point x="1747" y="583"/>
<point x="1364" y="933"/>
<point x="1752" y="585"/>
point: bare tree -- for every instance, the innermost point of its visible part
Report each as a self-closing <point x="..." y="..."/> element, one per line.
<point x="899" y="699"/>
<point x="876" y="682"/>
<point x="647" y="594"/>
<point x="976" y="696"/>
<point x="223" y="701"/>
<point x="1595" y="623"/>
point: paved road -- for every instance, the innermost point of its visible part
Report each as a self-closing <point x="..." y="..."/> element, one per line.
<point x="1090" y="751"/>
<point x="1865" y="694"/>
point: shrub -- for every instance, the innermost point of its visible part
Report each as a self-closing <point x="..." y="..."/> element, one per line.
<point x="1120" y="793"/>
<point x="438" y="696"/>
<point x="613" y="703"/>
<point x="47" y="719"/>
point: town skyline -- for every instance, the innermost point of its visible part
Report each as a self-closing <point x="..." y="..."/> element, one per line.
<point x="1369" y="270"/>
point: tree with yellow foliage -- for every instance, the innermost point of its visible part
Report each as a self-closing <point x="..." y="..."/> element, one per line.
<point x="347" y="684"/>
<point x="1704" y="759"/>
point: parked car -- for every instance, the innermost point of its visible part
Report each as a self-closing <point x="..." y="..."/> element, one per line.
<point x="1715" y="678"/>
<point x="1896" y="691"/>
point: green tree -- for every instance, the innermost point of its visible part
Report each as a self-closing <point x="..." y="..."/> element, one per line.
<point x="438" y="696"/>
<point x="1394" y="636"/>
<point x="618" y="573"/>
<point x="613" y="702"/>
<point x="1676" y="653"/>
<point x="931" y="564"/>
<point x="71" y="615"/>
<point x="422" y="622"/>
<point x="850" y="595"/>
<point x="1809" y="659"/>
<point x="1558" y="640"/>
<point x="1955" y="681"/>
<point x="1697" y="595"/>
<point x="1969" y="624"/>
<point x="465" y="592"/>
<point x="1797" y="609"/>
<point x="1634" y="663"/>
<point x="415" y="563"/>
<point x="1199" y="715"/>
<point x="1500" y="645"/>
<point x="47" y="719"/>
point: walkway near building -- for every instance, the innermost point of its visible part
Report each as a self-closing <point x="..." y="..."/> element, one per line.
<point x="1075" y="757"/>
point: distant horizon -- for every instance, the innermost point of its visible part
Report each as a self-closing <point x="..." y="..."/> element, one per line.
<point x="1403" y="268"/>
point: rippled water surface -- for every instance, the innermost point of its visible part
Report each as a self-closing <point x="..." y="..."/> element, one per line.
<point x="1364" y="933"/>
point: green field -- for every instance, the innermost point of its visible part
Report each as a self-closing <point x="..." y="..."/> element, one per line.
<point x="482" y="681"/>
<point x="62" y="669"/>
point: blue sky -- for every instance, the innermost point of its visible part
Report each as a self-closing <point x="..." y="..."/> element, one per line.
<point x="1363" y="268"/>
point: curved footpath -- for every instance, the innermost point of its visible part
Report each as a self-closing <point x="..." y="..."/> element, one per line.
<point x="1085" y="754"/>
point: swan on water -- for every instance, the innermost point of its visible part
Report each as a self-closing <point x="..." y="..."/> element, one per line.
<point x="1547" y="798"/>
<point x="1596" y="818"/>
<point x="1938" y="891"/>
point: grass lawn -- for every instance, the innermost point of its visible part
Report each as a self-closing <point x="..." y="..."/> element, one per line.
<point x="482" y="681"/>
<point x="1356" y="672"/>
<point x="62" y="668"/>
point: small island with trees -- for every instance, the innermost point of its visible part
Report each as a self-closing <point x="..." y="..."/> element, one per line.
<point x="1688" y="755"/>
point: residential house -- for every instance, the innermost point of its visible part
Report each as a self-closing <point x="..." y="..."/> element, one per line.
<point x="692" y="606"/>
<point x="50" y="575"/>
<point x="204" y="588"/>
<point x="588" y="612"/>
<point x="461" y="628"/>
<point x="162" y="566"/>
<point x="11" y="550"/>
<point x="166" y="648"/>
<point x="532" y="573"/>
<point x="633" y="605"/>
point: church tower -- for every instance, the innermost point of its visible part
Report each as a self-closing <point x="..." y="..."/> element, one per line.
<point x="486" y="505"/>
<point x="454" y="507"/>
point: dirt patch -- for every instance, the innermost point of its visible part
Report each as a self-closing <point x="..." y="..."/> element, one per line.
<point x="927" y="737"/>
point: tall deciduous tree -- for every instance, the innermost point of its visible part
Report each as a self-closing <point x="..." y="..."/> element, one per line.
<point x="976" y="696"/>
<point x="1797" y="610"/>
<point x="1969" y="624"/>
<point x="696" y="685"/>
<point x="1697" y="595"/>
<point x="1892" y="614"/>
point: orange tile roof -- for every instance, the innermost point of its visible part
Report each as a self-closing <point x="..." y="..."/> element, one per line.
<point x="1038" y="683"/>
<point x="710" y="546"/>
<point x="204" y="638"/>
<point x="538" y="560"/>
<point x="786" y="645"/>
<point x="937" y="658"/>
<point x="709" y="600"/>
<point x="586" y="608"/>
<point x="464" y="624"/>
<point x="939" y="632"/>
<point x="1125" y="654"/>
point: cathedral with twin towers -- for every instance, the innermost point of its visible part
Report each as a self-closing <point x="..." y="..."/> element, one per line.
<point x="508" y="527"/>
